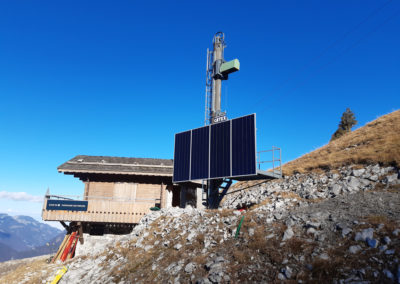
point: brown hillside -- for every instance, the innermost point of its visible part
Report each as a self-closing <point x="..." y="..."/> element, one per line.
<point x="376" y="142"/>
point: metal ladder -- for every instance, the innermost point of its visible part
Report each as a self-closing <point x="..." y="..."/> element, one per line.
<point x="222" y="190"/>
<point x="224" y="187"/>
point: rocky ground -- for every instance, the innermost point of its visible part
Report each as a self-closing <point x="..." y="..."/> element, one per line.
<point x="338" y="226"/>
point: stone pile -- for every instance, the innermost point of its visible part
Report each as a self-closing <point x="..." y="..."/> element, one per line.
<point x="291" y="227"/>
<point x="313" y="186"/>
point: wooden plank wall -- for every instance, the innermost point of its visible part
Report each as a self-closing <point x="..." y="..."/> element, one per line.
<point x="105" y="189"/>
<point x="125" y="190"/>
<point x="148" y="191"/>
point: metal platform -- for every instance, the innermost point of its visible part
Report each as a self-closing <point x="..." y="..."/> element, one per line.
<point x="261" y="175"/>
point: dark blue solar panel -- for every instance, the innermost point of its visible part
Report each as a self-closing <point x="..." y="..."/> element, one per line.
<point x="220" y="162"/>
<point x="243" y="146"/>
<point x="182" y="156"/>
<point x="226" y="149"/>
<point x="200" y="150"/>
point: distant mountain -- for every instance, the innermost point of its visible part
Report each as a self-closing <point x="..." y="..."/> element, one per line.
<point x="23" y="236"/>
<point x="6" y="252"/>
<point x="48" y="248"/>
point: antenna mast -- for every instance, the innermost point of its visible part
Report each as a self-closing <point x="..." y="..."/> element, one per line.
<point x="217" y="70"/>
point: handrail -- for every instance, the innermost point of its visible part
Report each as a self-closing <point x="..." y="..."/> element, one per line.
<point x="105" y="198"/>
<point x="275" y="160"/>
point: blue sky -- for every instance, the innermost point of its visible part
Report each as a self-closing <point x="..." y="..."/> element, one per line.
<point x="120" y="78"/>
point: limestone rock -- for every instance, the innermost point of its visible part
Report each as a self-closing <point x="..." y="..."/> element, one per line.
<point x="288" y="234"/>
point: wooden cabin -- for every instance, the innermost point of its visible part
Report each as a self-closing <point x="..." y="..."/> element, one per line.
<point x="118" y="192"/>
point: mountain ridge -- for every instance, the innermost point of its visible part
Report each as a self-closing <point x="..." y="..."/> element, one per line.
<point x="22" y="236"/>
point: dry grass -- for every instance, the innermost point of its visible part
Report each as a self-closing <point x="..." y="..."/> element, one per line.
<point x="37" y="268"/>
<point x="223" y="212"/>
<point x="262" y="203"/>
<point x="288" y="195"/>
<point x="376" y="142"/>
<point x="296" y="245"/>
<point x="389" y="224"/>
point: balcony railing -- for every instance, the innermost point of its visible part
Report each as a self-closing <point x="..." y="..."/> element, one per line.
<point x="100" y="198"/>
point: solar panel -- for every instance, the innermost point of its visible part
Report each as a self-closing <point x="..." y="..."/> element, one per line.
<point x="200" y="153"/>
<point x="225" y="149"/>
<point x="182" y="156"/>
<point x="220" y="150"/>
<point x="243" y="146"/>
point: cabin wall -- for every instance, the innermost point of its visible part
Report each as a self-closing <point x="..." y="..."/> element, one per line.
<point x="123" y="191"/>
<point x="100" y="189"/>
<point x="148" y="191"/>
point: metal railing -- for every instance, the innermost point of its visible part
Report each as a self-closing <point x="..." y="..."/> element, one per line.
<point x="101" y="198"/>
<point x="276" y="161"/>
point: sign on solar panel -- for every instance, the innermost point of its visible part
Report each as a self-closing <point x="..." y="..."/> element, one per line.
<point x="222" y="150"/>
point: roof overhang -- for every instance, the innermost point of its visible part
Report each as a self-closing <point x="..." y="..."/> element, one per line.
<point x="113" y="173"/>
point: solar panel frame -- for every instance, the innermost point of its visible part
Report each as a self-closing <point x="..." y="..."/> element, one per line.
<point x="230" y="164"/>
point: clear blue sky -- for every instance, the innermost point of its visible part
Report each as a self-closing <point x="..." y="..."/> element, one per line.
<point x="121" y="77"/>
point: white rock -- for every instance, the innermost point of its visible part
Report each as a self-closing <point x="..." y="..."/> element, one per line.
<point x="358" y="173"/>
<point x="190" y="267"/>
<point x="288" y="234"/>
<point x="178" y="246"/>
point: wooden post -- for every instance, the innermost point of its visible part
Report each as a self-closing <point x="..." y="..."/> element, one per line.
<point x="163" y="196"/>
<point x="80" y="232"/>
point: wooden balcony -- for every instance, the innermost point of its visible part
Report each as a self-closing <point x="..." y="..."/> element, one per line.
<point x="101" y="209"/>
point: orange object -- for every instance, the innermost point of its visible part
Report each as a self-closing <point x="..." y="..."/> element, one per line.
<point x="66" y="250"/>
<point x="73" y="247"/>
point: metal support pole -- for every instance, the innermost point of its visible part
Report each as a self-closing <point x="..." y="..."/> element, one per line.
<point x="273" y="159"/>
<point x="214" y="194"/>
<point x="218" y="46"/>
<point x="218" y="57"/>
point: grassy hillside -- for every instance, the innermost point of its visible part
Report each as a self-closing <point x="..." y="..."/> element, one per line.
<point x="376" y="142"/>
